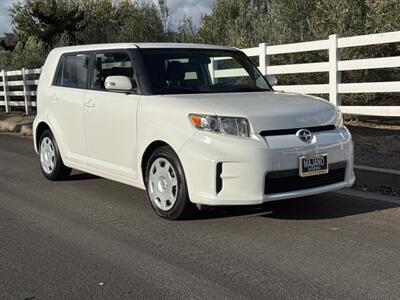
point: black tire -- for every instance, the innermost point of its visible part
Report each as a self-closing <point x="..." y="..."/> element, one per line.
<point x="182" y="208"/>
<point x="59" y="171"/>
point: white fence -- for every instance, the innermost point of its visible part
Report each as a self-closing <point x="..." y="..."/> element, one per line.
<point x="21" y="80"/>
<point x="334" y="66"/>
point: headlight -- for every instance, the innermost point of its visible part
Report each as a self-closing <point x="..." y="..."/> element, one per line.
<point x="225" y="125"/>
<point x="339" y="118"/>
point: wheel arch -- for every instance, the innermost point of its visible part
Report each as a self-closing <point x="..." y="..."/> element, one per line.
<point x="40" y="128"/>
<point x="146" y="155"/>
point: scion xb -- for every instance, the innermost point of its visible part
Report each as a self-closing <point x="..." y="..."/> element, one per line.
<point x="192" y="124"/>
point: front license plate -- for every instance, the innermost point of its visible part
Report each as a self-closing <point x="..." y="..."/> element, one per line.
<point x="311" y="165"/>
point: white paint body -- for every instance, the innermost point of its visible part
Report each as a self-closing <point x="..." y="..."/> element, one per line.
<point x="106" y="133"/>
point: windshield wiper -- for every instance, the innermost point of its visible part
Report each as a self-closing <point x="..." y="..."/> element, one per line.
<point x="179" y="91"/>
<point x="247" y="89"/>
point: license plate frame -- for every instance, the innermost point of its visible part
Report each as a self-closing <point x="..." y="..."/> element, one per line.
<point x="313" y="164"/>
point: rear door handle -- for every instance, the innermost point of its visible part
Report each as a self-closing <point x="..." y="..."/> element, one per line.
<point x="53" y="97"/>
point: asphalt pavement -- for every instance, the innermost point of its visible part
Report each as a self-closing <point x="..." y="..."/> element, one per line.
<point x="91" y="238"/>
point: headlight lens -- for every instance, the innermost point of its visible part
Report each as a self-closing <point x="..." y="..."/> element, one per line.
<point x="226" y="125"/>
<point x="339" y="118"/>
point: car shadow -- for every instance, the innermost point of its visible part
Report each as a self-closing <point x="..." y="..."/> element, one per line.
<point x="81" y="176"/>
<point x="320" y="207"/>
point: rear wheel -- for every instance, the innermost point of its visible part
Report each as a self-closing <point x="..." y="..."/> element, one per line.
<point x="166" y="185"/>
<point x="51" y="163"/>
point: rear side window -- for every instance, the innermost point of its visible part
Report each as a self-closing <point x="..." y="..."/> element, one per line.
<point x="74" y="71"/>
<point x="111" y="64"/>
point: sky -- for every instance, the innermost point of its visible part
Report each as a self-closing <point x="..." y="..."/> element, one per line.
<point x="4" y="19"/>
<point x="178" y="8"/>
<point x="191" y="8"/>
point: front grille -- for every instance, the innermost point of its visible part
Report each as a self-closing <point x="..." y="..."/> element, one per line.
<point x="290" y="180"/>
<point x="294" y="130"/>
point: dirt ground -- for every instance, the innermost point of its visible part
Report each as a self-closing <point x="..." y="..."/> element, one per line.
<point x="376" y="147"/>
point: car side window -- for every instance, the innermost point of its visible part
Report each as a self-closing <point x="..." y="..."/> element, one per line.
<point x="111" y="64"/>
<point x="74" y="71"/>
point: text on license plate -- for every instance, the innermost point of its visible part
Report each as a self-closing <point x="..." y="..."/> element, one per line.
<point x="315" y="164"/>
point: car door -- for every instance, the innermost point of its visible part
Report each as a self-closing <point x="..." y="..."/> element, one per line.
<point x="110" y="117"/>
<point x="66" y="97"/>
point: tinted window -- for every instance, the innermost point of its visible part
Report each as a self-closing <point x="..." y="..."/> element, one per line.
<point x="202" y="71"/>
<point x="74" y="71"/>
<point x="111" y="64"/>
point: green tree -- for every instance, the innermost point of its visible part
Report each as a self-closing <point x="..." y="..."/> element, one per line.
<point x="107" y="21"/>
<point x="8" y="43"/>
<point x="143" y="23"/>
<point x="46" y="20"/>
<point x="29" y="54"/>
<point x="241" y="23"/>
<point x="164" y="14"/>
<point x="187" y="32"/>
<point x="40" y="25"/>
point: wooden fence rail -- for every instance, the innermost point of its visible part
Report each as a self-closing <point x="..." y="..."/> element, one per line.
<point x="20" y="79"/>
<point x="334" y="66"/>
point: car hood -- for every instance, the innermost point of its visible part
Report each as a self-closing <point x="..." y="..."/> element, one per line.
<point x="264" y="110"/>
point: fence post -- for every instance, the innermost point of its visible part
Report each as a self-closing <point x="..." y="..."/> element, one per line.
<point x="263" y="60"/>
<point x="5" y="91"/>
<point x="27" y="97"/>
<point x="334" y="74"/>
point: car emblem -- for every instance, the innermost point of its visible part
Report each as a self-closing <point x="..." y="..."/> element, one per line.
<point x="305" y="135"/>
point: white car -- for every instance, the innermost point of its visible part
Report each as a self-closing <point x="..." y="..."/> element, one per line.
<point x="193" y="124"/>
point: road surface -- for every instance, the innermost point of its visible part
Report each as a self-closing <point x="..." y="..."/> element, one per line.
<point x="91" y="238"/>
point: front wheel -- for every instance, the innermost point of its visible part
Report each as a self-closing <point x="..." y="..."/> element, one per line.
<point x="166" y="185"/>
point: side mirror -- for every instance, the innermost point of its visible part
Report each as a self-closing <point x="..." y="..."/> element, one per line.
<point x="118" y="84"/>
<point x="272" y="80"/>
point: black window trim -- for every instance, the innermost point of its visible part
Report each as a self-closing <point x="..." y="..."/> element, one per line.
<point x="91" y="53"/>
<point x="125" y="51"/>
<point x="60" y="66"/>
<point x="150" y="88"/>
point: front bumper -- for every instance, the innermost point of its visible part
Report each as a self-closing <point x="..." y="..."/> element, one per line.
<point x="226" y="170"/>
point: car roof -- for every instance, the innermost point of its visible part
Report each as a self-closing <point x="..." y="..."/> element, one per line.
<point x="111" y="46"/>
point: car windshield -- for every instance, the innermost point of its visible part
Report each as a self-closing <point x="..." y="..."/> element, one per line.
<point x="189" y="71"/>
